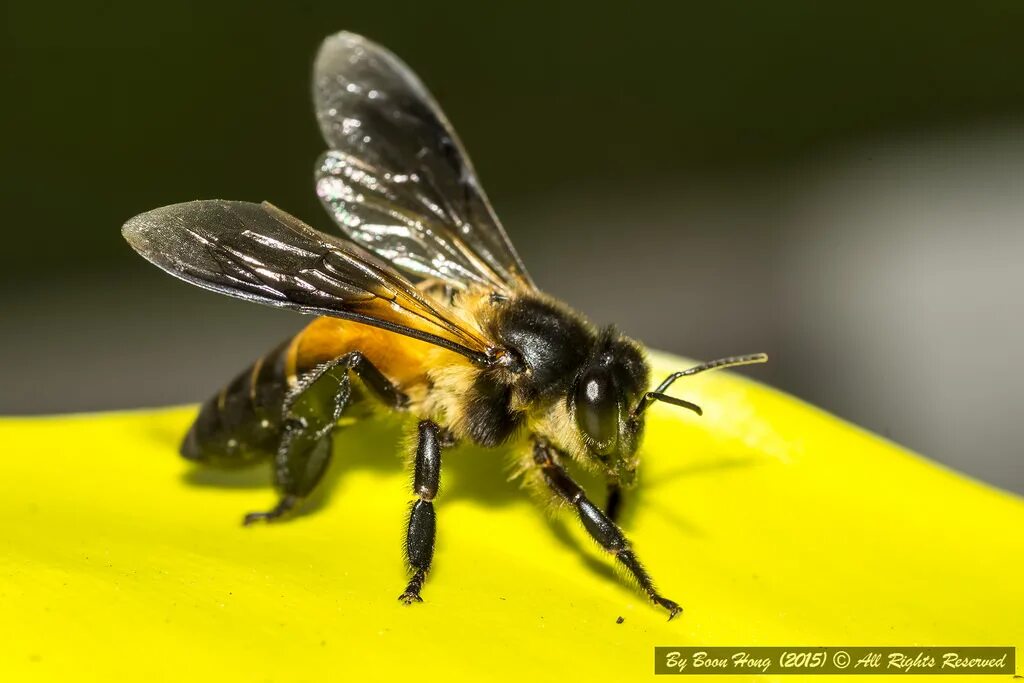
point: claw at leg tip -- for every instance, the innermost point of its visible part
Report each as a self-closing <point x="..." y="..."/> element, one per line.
<point x="409" y="598"/>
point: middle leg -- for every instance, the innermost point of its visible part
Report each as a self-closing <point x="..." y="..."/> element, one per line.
<point x="419" y="541"/>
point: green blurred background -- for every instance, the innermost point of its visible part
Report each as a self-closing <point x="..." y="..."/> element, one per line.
<point x="839" y="184"/>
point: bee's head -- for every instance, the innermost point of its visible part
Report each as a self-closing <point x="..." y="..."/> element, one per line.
<point x="601" y="402"/>
<point x="610" y="396"/>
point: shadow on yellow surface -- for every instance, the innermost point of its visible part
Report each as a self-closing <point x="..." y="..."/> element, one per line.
<point x="770" y="522"/>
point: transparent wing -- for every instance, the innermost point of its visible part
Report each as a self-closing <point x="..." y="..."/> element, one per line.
<point x="397" y="179"/>
<point x="260" y="253"/>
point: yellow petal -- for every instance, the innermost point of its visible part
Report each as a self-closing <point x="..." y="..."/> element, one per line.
<point x="771" y="522"/>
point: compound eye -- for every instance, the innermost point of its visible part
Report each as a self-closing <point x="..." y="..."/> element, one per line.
<point x="597" y="407"/>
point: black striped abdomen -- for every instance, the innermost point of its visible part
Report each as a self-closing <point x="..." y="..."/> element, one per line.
<point x="241" y="424"/>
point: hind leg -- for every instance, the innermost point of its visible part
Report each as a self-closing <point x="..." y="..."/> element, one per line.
<point x="311" y="412"/>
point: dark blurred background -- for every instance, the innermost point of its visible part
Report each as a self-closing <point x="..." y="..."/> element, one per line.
<point x="839" y="184"/>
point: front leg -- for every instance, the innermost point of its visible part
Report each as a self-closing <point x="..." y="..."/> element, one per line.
<point x="613" y="501"/>
<point x="597" y="524"/>
<point x="419" y="541"/>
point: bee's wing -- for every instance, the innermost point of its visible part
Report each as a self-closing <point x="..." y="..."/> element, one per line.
<point x="260" y="253"/>
<point x="397" y="179"/>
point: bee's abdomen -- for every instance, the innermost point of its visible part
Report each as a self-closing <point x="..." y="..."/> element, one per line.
<point x="241" y="424"/>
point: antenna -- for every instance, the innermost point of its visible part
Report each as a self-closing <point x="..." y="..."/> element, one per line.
<point x="659" y="394"/>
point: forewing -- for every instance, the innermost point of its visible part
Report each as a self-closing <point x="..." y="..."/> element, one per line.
<point x="397" y="179"/>
<point x="260" y="253"/>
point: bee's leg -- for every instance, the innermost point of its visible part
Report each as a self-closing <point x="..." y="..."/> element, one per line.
<point x="374" y="380"/>
<point x="597" y="524"/>
<point x="419" y="540"/>
<point x="613" y="502"/>
<point x="311" y="411"/>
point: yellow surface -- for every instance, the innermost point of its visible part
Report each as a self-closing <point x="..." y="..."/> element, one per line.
<point x="771" y="522"/>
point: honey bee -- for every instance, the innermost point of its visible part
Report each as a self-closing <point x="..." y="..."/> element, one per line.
<point x="425" y="309"/>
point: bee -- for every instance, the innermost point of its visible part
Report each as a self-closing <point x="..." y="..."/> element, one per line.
<point x="423" y="308"/>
